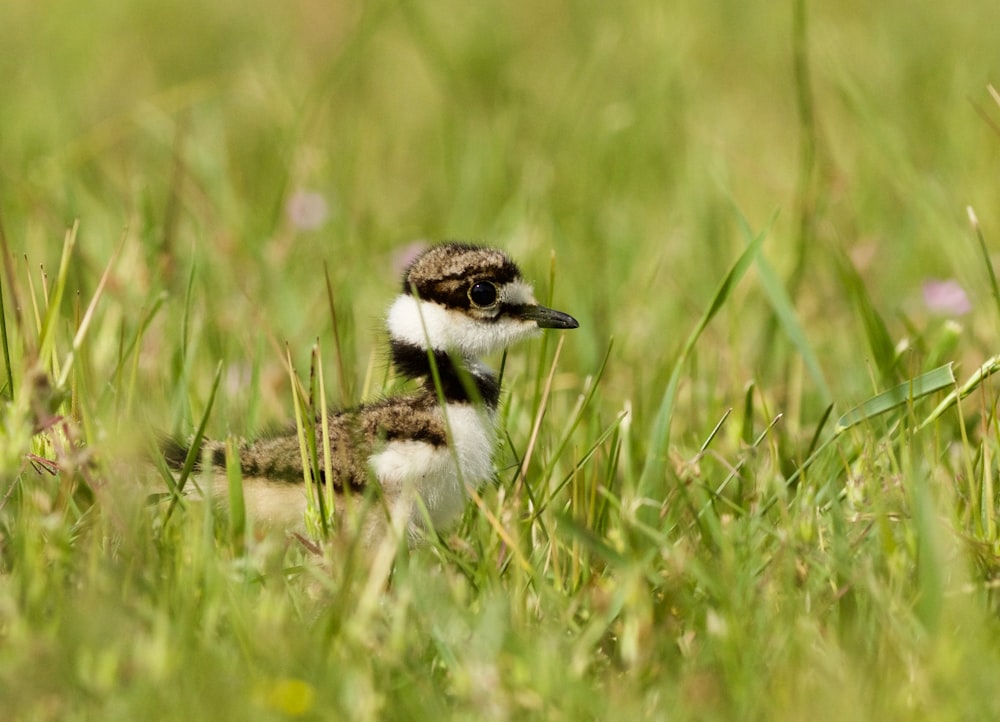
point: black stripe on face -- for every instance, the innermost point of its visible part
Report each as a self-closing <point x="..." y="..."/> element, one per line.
<point x="450" y="293"/>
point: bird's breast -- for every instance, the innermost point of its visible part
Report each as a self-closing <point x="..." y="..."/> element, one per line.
<point x="439" y="473"/>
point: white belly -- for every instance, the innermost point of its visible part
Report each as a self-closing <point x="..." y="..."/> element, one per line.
<point x="405" y="468"/>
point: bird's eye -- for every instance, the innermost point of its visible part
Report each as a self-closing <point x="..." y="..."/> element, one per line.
<point x="483" y="294"/>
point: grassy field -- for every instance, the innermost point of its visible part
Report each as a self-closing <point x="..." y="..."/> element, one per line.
<point x="765" y="216"/>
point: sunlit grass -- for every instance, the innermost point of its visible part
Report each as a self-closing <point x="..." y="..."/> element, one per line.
<point x="759" y="482"/>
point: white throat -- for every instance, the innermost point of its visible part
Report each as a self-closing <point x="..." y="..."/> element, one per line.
<point x="422" y="323"/>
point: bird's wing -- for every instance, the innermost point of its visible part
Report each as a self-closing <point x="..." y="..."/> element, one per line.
<point x="354" y="436"/>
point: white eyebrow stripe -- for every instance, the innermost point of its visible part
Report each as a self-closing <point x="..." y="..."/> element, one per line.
<point x="517" y="293"/>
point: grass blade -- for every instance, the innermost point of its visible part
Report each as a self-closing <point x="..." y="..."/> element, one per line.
<point x="46" y="335"/>
<point x="88" y="316"/>
<point x="784" y="309"/>
<point x="651" y="478"/>
<point x="195" y="449"/>
<point x="987" y="369"/>
<point x="8" y="388"/>
<point x="987" y="261"/>
<point x="325" y="495"/>
<point x="879" y="341"/>
<point x="901" y="395"/>
<point x="896" y="397"/>
<point x="345" y="394"/>
<point x="237" y="504"/>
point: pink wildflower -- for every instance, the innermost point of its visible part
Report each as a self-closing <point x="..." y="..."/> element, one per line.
<point x="946" y="297"/>
<point x="307" y="210"/>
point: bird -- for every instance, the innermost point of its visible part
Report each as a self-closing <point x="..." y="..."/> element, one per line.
<point x="425" y="449"/>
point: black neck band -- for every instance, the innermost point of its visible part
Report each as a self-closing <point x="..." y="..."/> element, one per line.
<point x="458" y="383"/>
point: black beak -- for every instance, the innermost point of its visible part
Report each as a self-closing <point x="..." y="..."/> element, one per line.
<point x="548" y="317"/>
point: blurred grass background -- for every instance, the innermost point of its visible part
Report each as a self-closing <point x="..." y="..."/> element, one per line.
<point x="235" y="149"/>
<point x="612" y="136"/>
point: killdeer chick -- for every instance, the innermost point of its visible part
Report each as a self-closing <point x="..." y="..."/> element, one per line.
<point x="459" y="302"/>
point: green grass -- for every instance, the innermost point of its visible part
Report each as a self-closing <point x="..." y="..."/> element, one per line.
<point x="747" y="487"/>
